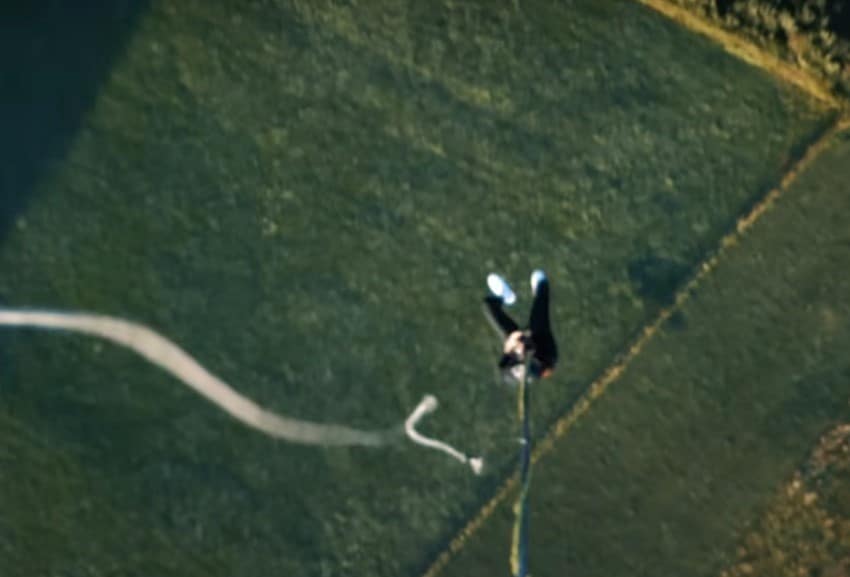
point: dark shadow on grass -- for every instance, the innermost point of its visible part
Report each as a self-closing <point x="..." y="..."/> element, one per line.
<point x="656" y="279"/>
<point x="54" y="55"/>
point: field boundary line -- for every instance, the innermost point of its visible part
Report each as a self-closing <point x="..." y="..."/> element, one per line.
<point x="747" y="51"/>
<point x="621" y="362"/>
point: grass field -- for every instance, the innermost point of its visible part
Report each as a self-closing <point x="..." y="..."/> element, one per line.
<point x="308" y="197"/>
<point x="805" y="530"/>
<point x="667" y="471"/>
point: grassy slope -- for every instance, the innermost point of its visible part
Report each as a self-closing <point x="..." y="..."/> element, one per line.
<point x="308" y="197"/>
<point x="664" y="473"/>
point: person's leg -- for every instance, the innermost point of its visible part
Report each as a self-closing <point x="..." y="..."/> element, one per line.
<point x="498" y="318"/>
<point x="538" y="320"/>
<point x="546" y="351"/>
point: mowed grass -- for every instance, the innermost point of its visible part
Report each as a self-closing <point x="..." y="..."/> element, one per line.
<point x="307" y="196"/>
<point x="666" y="471"/>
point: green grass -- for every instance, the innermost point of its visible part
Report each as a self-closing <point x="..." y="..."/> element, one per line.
<point x="307" y="196"/>
<point x="665" y="472"/>
<point x="43" y="490"/>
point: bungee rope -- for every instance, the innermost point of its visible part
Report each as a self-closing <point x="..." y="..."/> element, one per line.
<point x="519" y="546"/>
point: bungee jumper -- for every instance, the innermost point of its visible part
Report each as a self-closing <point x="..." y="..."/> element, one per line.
<point x="536" y="338"/>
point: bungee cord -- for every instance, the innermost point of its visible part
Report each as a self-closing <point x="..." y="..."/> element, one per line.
<point x="170" y="357"/>
<point x="519" y="545"/>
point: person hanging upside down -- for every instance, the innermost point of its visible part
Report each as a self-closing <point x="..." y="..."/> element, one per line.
<point x="536" y="339"/>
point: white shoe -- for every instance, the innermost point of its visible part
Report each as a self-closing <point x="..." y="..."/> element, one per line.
<point x="537" y="277"/>
<point x="500" y="288"/>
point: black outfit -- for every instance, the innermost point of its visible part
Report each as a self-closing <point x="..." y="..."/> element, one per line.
<point x="537" y="337"/>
